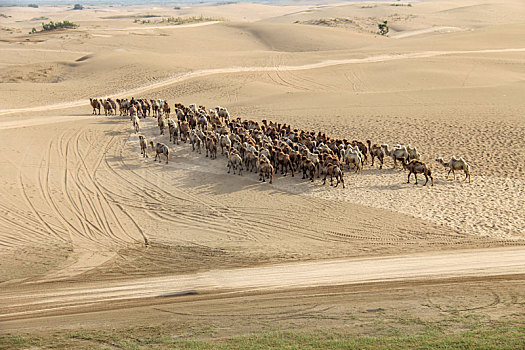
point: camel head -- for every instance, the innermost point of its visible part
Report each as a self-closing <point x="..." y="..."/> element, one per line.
<point x="440" y="161"/>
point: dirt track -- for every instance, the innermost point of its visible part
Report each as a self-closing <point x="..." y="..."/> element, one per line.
<point x="410" y="268"/>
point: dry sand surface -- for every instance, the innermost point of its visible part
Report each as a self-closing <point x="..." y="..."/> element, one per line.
<point x="81" y="211"/>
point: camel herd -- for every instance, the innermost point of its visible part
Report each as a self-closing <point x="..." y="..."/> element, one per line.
<point x="266" y="147"/>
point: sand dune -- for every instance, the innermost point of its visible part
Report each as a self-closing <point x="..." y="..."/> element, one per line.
<point x="83" y="212"/>
<point x="207" y="72"/>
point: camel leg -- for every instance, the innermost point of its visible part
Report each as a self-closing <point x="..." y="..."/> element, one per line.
<point x="448" y="174"/>
<point x="408" y="181"/>
<point x="426" y="178"/>
<point x="415" y="175"/>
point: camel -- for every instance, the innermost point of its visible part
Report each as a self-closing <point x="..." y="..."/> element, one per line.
<point x="146" y="107"/>
<point x="195" y="140"/>
<point x="95" y="104"/>
<point x="413" y="153"/>
<point x="314" y="157"/>
<point x="113" y="105"/>
<point x="223" y="113"/>
<point x="143" y="146"/>
<point x="161" y="124"/>
<point x="398" y="153"/>
<point x="308" y="168"/>
<point x="135" y="122"/>
<point x="155" y="107"/>
<point x="284" y="160"/>
<point x="108" y="107"/>
<point x="225" y="142"/>
<point x="160" y="148"/>
<point x="235" y="162"/>
<point x="211" y="147"/>
<point x="265" y="170"/>
<point x="250" y="159"/>
<point x="166" y="108"/>
<point x="418" y="167"/>
<point x="202" y="121"/>
<point x="456" y="164"/>
<point x="376" y="152"/>
<point x="122" y="106"/>
<point x="184" y="131"/>
<point x="362" y="148"/>
<point x="334" y="171"/>
<point x="132" y="112"/>
<point x="354" y="156"/>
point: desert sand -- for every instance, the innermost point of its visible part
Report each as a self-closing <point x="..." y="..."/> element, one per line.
<point x="84" y="217"/>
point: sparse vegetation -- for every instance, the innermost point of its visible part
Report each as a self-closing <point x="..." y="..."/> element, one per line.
<point x="78" y="7"/>
<point x="55" y="25"/>
<point x="33" y="6"/>
<point x="383" y="28"/>
<point x="401" y="4"/>
<point x="41" y="18"/>
<point x="330" y="22"/>
<point x="500" y="337"/>
<point x="58" y="25"/>
<point x="177" y="20"/>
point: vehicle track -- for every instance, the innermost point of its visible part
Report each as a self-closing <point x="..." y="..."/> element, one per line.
<point x="15" y="304"/>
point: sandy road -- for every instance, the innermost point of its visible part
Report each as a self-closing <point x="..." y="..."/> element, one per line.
<point x="206" y="72"/>
<point x="22" y="302"/>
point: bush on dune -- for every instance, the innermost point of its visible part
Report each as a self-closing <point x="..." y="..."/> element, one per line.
<point x="55" y="25"/>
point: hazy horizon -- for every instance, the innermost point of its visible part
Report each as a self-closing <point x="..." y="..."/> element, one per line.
<point x="142" y="2"/>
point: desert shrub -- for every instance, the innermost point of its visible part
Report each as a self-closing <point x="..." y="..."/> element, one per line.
<point x="383" y="28"/>
<point x="58" y="25"/>
<point x="33" y="6"/>
<point x="78" y="7"/>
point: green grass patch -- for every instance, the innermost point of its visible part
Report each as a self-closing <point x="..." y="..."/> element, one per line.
<point x="500" y="337"/>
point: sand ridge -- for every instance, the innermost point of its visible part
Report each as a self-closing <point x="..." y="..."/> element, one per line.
<point x="206" y="72"/>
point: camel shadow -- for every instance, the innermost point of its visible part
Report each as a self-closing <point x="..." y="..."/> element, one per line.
<point x="395" y="187"/>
